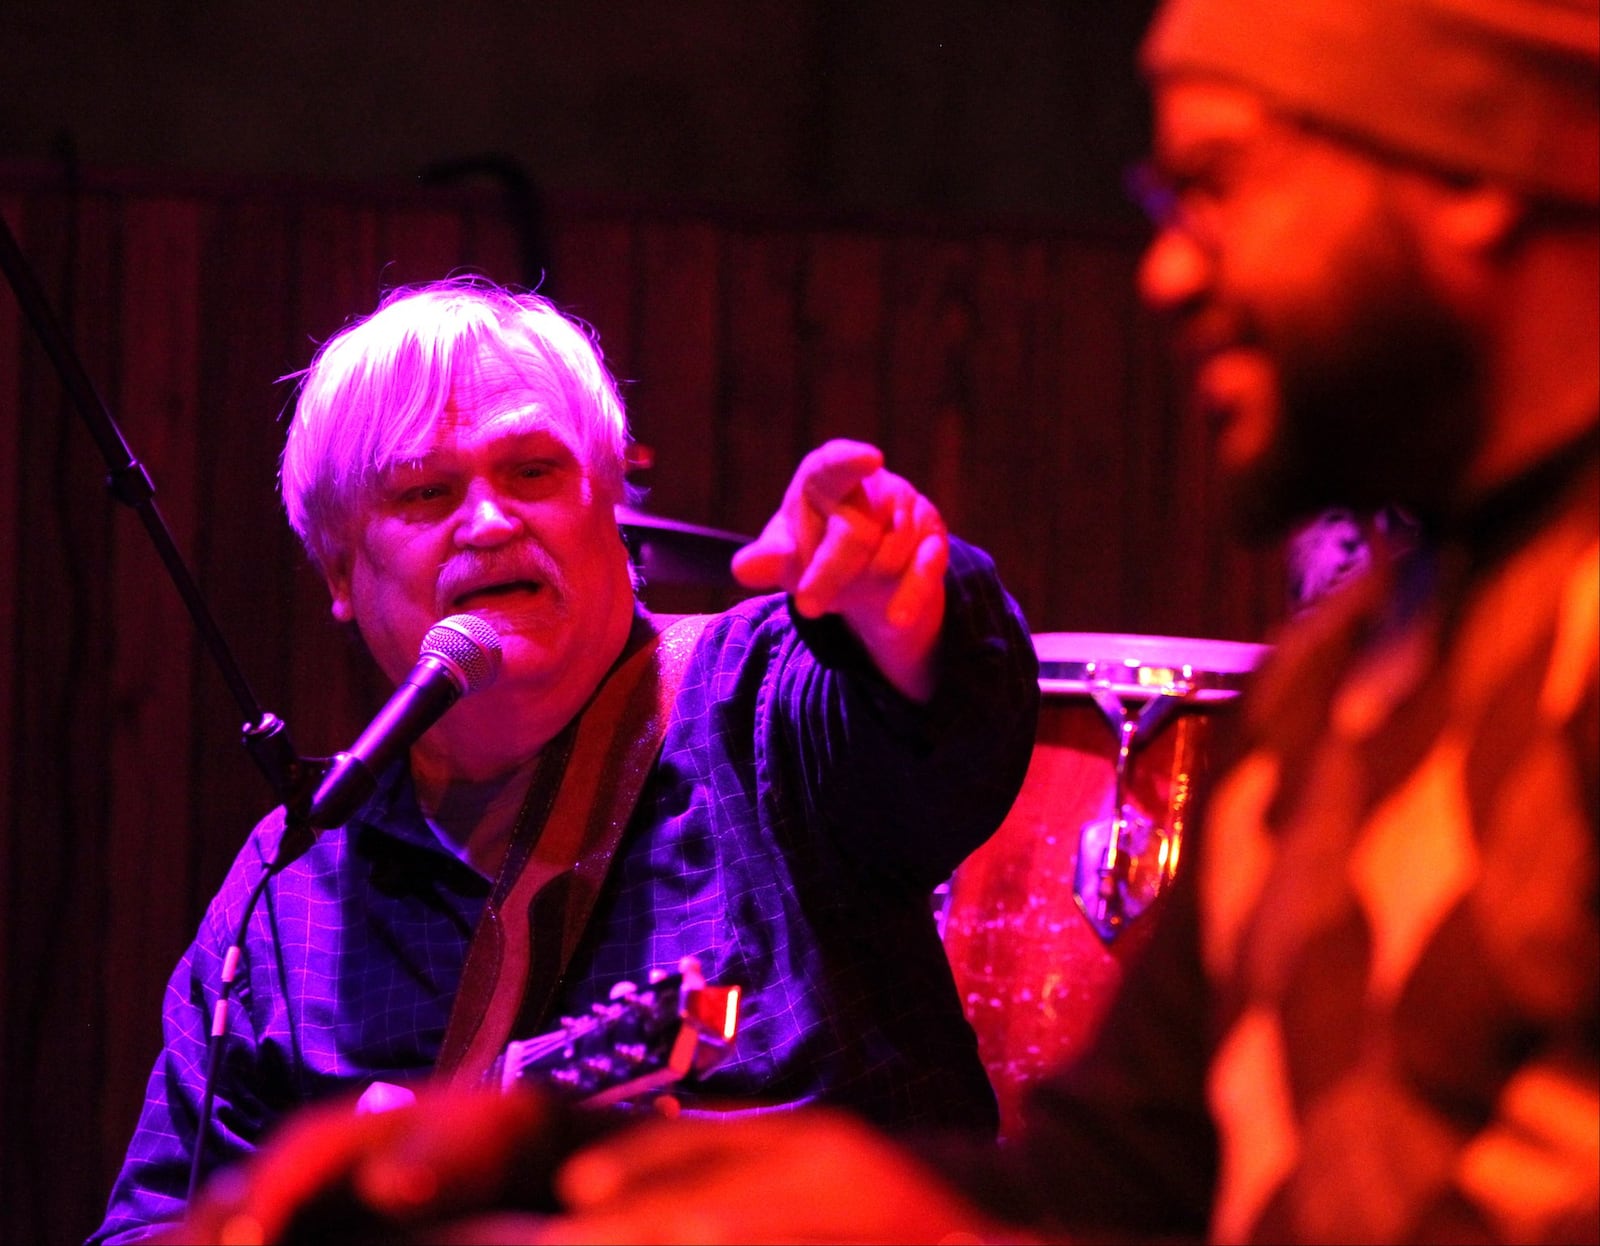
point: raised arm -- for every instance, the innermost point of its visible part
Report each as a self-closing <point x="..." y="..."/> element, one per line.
<point x="853" y="539"/>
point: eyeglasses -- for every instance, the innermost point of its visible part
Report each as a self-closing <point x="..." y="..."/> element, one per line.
<point x="1188" y="206"/>
<point x="1151" y="192"/>
<point x="1200" y="202"/>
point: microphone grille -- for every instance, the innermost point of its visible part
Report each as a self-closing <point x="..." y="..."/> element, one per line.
<point x="470" y="645"/>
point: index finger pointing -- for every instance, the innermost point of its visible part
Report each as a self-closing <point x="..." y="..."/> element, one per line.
<point x="828" y="474"/>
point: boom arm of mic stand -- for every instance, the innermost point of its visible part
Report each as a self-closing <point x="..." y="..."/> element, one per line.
<point x="266" y="739"/>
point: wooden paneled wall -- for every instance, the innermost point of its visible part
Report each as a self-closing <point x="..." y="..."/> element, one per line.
<point x="1008" y="372"/>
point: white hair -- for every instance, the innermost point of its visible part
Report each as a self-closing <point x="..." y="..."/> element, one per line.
<point x="374" y="395"/>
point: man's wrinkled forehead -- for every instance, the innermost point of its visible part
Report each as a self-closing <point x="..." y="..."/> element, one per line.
<point x="488" y="401"/>
<point x="493" y="388"/>
<point x="519" y="415"/>
<point x="524" y="430"/>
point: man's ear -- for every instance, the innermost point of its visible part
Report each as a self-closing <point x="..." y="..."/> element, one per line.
<point x="336" y="574"/>
<point x="1466" y="230"/>
<point x="1480" y="218"/>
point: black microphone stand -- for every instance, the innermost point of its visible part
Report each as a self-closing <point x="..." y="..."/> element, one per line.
<point x="293" y="778"/>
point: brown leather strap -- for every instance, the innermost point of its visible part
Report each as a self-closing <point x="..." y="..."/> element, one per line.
<point x="582" y="797"/>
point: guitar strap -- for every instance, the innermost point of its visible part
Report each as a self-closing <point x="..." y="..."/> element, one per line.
<point x="583" y="794"/>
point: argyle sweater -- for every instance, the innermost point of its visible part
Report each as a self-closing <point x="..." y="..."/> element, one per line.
<point x="1370" y="1011"/>
<point x="1399" y="909"/>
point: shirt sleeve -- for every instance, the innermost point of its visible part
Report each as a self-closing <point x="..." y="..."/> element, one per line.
<point x="906" y="788"/>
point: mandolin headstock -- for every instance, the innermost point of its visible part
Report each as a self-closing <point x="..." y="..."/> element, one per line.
<point x="637" y="1043"/>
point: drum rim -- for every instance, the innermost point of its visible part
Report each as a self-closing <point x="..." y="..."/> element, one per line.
<point x="1079" y="662"/>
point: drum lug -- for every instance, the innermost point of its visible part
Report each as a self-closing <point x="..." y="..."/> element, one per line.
<point x="1124" y="863"/>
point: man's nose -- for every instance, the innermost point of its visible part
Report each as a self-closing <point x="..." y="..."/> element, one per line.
<point x="487" y="519"/>
<point x="1174" y="271"/>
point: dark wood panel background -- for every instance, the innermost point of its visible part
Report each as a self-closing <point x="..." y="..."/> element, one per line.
<point x="1007" y="371"/>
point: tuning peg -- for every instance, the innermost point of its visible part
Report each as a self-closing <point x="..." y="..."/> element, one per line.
<point x="633" y="1053"/>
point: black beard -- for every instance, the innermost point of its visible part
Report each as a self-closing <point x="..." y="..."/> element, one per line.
<point x="1384" y="411"/>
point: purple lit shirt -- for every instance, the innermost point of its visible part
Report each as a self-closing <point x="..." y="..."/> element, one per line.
<point x="798" y="817"/>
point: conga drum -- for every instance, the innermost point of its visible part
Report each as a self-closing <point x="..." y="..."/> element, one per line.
<point x="1041" y="923"/>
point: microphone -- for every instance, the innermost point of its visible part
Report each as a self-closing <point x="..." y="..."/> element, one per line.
<point x="459" y="655"/>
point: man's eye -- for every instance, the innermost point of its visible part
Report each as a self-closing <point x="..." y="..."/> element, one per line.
<point x="1188" y="189"/>
<point x="1216" y="180"/>
<point x="422" y="493"/>
<point x="536" y="479"/>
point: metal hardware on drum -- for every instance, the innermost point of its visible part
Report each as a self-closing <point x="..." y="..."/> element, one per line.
<point x="1116" y="878"/>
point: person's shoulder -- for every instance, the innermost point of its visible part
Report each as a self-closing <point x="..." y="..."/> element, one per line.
<point x="245" y="871"/>
<point x="264" y="845"/>
<point x="259" y="847"/>
<point x="714" y="636"/>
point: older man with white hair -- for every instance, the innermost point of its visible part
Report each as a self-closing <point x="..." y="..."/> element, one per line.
<point x="773" y="791"/>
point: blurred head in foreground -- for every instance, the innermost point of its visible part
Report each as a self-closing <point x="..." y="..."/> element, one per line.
<point x="1376" y="237"/>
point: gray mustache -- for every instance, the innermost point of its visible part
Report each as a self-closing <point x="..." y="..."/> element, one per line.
<point x="467" y="569"/>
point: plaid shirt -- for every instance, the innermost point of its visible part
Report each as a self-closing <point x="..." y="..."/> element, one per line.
<point x="794" y="825"/>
